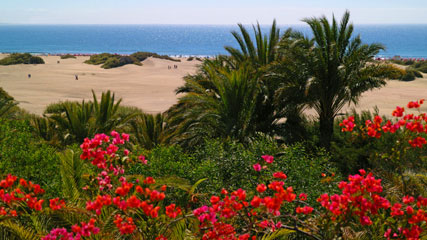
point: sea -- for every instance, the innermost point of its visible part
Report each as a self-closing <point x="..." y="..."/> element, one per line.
<point x="407" y="41"/>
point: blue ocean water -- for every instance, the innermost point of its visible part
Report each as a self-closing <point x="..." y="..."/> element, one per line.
<point x="204" y="40"/>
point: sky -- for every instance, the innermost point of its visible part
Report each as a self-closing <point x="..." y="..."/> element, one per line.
<point x="207" y="11"/>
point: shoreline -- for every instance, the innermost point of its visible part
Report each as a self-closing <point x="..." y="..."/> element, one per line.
<point x="379" y="57"/>
<point x="46" y="54"/>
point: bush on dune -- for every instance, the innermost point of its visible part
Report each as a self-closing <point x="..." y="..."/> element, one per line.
<point x="21" y="58"/>
<point x="109" y="60"/>
<point x="410" y="75"/>
<point x="141" y="56"/>
<point x="416" y="65"/>
<point x="112" y="60"/>
<point x="67" y="56"/>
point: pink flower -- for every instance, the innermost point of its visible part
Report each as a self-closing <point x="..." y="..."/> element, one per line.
<point x="125" y="137"/>
<point x="126" y="152"/>
<point x="257" y="167"/>
<point x="142" y="159"/>
<point x="268" y="158"/>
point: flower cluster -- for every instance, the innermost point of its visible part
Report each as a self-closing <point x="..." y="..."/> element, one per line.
<point x="261" y="212"/>
<point x="13" y="192"/>
<point x="411" y="123"/>
<point x="109" y="155"/>
<point x="267" y="159"/>
<point x="360" y="197"/>
<point x="236" y="215"/>
<point x="85" y="230"/>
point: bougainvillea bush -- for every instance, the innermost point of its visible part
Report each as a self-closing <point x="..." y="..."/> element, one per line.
<point x="408" y="130"/>
<point x="119" y="206"/>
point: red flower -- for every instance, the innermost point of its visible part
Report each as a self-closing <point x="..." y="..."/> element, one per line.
<point x="303" y="197"/>
<point x="261" y="188"/>
<point x="280" y="175"/>
<point x="172" y="211"/>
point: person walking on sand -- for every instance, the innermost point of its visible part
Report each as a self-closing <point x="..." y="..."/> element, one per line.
<point x="29" y="75"/>
<point x="76" y="76"/>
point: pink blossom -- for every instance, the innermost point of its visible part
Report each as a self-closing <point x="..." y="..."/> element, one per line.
<point x="268" y="158"/>
<point x="257" y="167"/>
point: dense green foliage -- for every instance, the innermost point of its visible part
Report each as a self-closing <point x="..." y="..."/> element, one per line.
<point x="232" y="111"/>
<point x="335" y="66"/>
<point x="21" y="58"/>
<point x="27" y="156"/>
<point x="228" y="164"/>
<point x="67" y="56"/>
<point x="72" y="122"/>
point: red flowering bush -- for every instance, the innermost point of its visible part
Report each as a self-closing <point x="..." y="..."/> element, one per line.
<point x="410" y="130"/>
<point x="135" y="206"/>
<point x="361" y="205"/>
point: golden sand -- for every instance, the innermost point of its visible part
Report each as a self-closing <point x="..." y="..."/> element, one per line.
<point x="149" y="87"/>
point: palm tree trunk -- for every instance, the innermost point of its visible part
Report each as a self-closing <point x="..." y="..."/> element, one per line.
<point x="326" y="128"/>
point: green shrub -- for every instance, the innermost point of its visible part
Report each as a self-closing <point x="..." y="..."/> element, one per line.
<point x="67" y="56"/>
<point x="26" y="156"/>
<point x="410" y="75"/>
<point x="228" y="164"/>
<point x="100" y="58"/>
<point x="190" y="59"/>
<point x="58" y="107"/>
<point x="423" y="68"/>
<point x="21" y="58"/>
<point x="111" y="63"/>
<point x="141" y="56"/>
<point x="352" y="152"/>
<point x="408" y="62"/>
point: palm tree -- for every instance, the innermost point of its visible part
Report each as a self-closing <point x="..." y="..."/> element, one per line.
<point x="335" y="66"/>
<point x="106" y="113"/>
<point x="260" y="53"/>
<point x="76" y="121"/>
<point x="149" y="129"/>
<point x="225" y="109"/>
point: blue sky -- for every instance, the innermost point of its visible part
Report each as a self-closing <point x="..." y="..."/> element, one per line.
<point x="207" y="11"/>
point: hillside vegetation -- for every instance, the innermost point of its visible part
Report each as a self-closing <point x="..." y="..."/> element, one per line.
<point x="113" y="60"/>
<point x="21" y="58"/>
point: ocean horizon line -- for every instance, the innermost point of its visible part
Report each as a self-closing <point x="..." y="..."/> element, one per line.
<point x="88" y="54"/>
<point x="182" y="40"/>
<point x="198" y="24"/>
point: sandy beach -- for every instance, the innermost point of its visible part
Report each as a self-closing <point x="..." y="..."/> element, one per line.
<point x="149" y="87"/>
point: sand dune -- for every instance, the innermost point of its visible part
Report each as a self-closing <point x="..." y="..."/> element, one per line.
<point x="150" y="87"/>
<point x="395" y="93"/>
